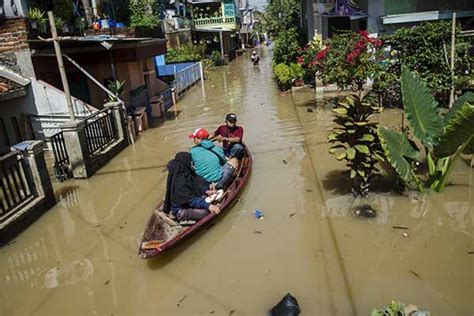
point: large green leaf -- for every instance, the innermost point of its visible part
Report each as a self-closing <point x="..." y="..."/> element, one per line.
<point x="421" y="109"/>
<point x="396" y="147"/>
<point x="466" y="97"/>
<point x="458" y="130"/>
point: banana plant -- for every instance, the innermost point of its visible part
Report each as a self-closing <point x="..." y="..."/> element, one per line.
<point x="355" y="140"/>
<point x="443" y="139"/>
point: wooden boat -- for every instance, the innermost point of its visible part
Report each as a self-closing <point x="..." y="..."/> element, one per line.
<point x="162" y="233"/>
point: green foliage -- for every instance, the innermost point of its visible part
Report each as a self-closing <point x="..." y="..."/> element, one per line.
<point x="466" y="97"/>
<point x="425" y="49"/>
<point x="396" y="308"/>
<point x="279" y="16"/>
<point x="458" y="130"/>
<point x="116" y="87"/>
<point x="63" y="9"/>
<point x="421" y="109"/>
<point x="348" y="60"/>
<point x="355" y="140"/>
<point x="456" y="136"/>
<point x="58" y="22"/>
<point x="401" y="155"/>
<point x="144" y="13"/>
<point x="184" y="53"/>
<point x="393" y="309"/>
<point x="286" y="74"/>
<point x="216" y="58"/>
<point x="286" y="47"/>
<point x="36" y="15"/>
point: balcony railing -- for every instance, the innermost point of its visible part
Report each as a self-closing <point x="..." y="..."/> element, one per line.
<point x="214" y="21"/>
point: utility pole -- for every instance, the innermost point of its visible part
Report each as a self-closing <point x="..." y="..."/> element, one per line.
<point x="62" y="71"/>
<point x="453" y="42"/>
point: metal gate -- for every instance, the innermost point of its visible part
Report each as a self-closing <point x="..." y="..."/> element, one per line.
<point x="61" y="166"/>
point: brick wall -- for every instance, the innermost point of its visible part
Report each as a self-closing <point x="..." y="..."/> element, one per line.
<point x="13" y="35"/>
<point x="13" y="38"/>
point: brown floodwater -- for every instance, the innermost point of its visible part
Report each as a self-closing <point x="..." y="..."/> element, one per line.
<point x="80" y="258"/>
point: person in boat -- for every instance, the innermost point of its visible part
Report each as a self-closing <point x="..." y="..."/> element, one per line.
<point x="255" y="58"/>
<point x="229" y="169"/>
<point x="184" y="191"/>
<point x="208" y="158"/>
<point x="229" y="134"/>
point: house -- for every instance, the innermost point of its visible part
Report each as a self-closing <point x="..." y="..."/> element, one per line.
<point x="215" y="24"/>
<point x="105" y="58"/>
<point x="15" y="96"/>
<point x="377" y="16"/>
<point x="91" y="62"/>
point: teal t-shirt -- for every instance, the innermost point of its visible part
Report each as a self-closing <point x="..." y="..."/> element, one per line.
<point x="206" y="163"/>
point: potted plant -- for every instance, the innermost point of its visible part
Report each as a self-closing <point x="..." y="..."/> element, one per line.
<point x="60" y="25"/>
<point x="36" y="17"/>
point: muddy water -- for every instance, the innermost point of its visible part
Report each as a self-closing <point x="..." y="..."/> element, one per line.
<point x="81" y="257"/>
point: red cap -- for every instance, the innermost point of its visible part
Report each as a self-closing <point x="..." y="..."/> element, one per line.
<point x="199" y="133"/>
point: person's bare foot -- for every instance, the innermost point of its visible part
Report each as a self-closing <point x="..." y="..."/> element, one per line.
<point x="215" y="208"/>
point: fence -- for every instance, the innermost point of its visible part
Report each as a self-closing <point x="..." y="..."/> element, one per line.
<point x="187" y="77"/>
<point x="100" y="130"/>
<point x="15" y="184"/>
<point x="61" y="158"/>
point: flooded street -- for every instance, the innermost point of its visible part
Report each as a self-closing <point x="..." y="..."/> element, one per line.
<point x="80" y="258"/>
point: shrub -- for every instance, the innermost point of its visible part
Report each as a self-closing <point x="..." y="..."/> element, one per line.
<point x="286" y="74"/>
<point x="216" y="58"/>
<point x="286" y="47"/>
<point x="424" y="48"/>
<point x="355" y="140"/>
<point x="144" y="13"/>
<point x="185" y="53"/>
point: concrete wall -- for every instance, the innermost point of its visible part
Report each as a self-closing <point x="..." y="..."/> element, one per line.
<point x="376" y="9"/>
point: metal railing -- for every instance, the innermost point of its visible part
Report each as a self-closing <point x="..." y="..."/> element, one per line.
<point x="15" y="184"/>
<point x="187" y="77"/>
<point x="100" y="130"/>
<point x="61" y="158"/>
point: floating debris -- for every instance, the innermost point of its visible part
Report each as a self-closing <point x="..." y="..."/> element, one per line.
<point x="470" y="253"/>
<point x="231" y="312"/>
<point x="309" y="190"/>
<point x="285" y="162"/>
<point x="257" y="232"/>
<point x="181" y="300"/>
<point x="365" y="211"/>
<point x="405" y="235"/>
<point x="292" y="214"/>
<point x="400" y="227"/>
<point x="106" y="282"/>
<point x="309" y="110"/>
<point x="415" y="274"/>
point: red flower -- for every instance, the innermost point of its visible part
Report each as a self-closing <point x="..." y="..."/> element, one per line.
<point x="377" y="43"/>
<point x="300" y="60"/>
<point x="321" y="54"/>
<point x="360" y="44"/>
<point x="364" y="34"/>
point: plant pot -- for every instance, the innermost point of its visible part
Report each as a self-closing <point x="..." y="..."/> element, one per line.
<point x="65" y="28"/>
